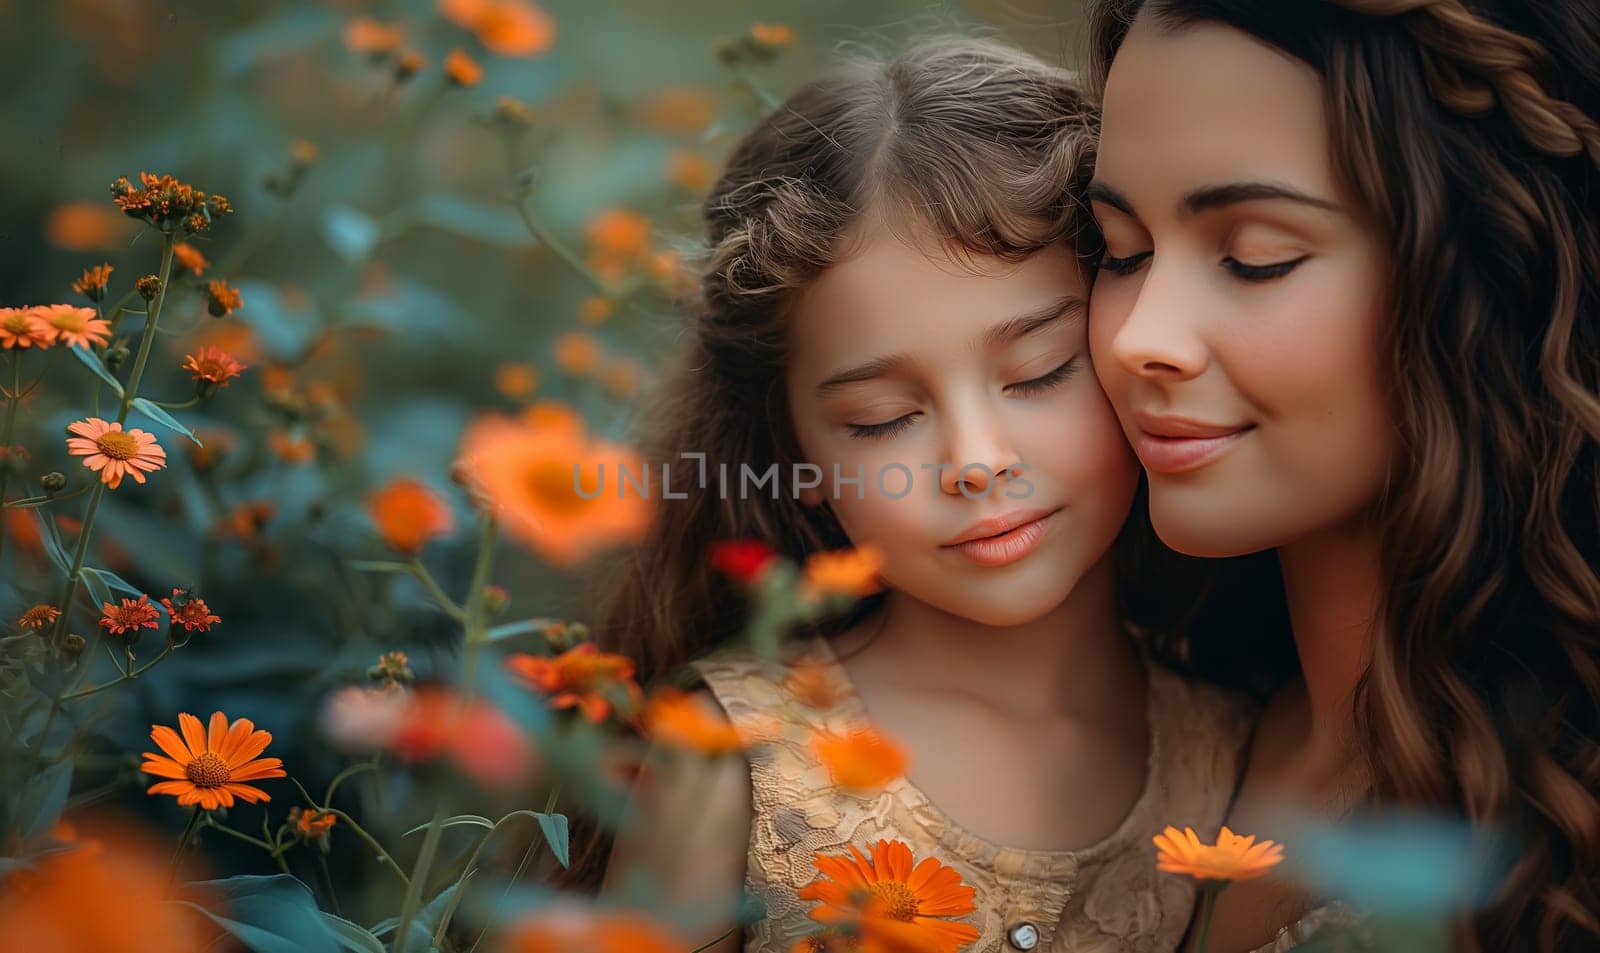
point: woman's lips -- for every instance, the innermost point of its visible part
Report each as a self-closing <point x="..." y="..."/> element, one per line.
<point x="1178" y="444"/>
<point x="1007" y="547"/>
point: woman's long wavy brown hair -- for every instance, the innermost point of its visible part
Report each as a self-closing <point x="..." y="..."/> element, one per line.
<point x="970" y="142"/>
<point x="1468" y="131"/>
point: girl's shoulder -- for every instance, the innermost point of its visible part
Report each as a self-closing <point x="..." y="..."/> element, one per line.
<point x="802" y="687"/>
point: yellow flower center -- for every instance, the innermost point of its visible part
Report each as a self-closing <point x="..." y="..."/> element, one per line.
<point x="895" y="900"/>
<point x="68" y="320"/>
<point x="551" y="483"/>
<point x="118" y="445"/>
<point x="208" y="771"/>
<point x="15" y="323"/>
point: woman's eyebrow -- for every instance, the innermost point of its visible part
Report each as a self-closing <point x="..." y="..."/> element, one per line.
<point x="1211" y="197"/>
<point x="1066" y="308"/>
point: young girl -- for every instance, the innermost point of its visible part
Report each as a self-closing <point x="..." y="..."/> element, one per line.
<point x="893" y="297"/>
<point x="1348" y="313"/>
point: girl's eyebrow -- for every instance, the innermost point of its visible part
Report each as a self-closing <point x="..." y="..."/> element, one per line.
<point x="1067" y="308"/>
<point x="1209" y="197"/>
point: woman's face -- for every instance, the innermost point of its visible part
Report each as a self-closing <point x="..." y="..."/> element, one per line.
<point x="958" y="392"/>
<point x="1235" y="320"/>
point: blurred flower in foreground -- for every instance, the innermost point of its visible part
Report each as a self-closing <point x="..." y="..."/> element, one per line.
<point x="222" y="299"/>
<point x="860" y="760"/>
<point x="114" y="452"/>
<point x="188" y="256"/>
<point x="208" y="764"/>
<point x="566" y="929"/>
<point x="583" y="677"/>
<point x="846" y="572"/>
<point x="617" y="238"/>
<point x="1231" y="858"/>
<point x="408" y="514"/>
<point x="506" y="27"/>
<point x="530" y="472"/>
<point x="516" y="379"/>
<point x="87" y="226"/>
<point x="366" y="35"/>
<point x="888" y="903"/>
<point x="72" y="325"/>
<point x="431" y="722"/>
<point x="744" y="560"/>
<point x="679" y="720"/>
<point x="461" y="69"/>
<point x="122" y="873"/>
<point x="1401" y="864"/>
<point x="577" y="353"/>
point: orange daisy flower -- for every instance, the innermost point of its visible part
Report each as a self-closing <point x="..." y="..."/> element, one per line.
<point x="506" y="27"/>
<point x="847" y="572"/>
<point x="213" y="365"/>
<point x="131" y="616"/>
<point x="72" y="325"/>
<point x="92" y="284"/>
<point x="115" y="452"/>
<point x="461" y="69"/>
<point x="20" y="328"/>
<point x="190" y="257"/>
<point x="1231" y="858"/>
<point x="532" y="470"/>
<point x="188" y="610"/>
<point x="39" y="616"/>
<point x="560" y="929"/>
<point x="678" y="720"/>
<point x="860" y="760"/>
<point x="408" y="514"/>
<point x="582" y="677"/>
<point x="891" y="904"/>
<point x="208" y="765"/>
<point x="222" y="299"/>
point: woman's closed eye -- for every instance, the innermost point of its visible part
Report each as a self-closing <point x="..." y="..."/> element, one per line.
<point x="1027" y="388"/>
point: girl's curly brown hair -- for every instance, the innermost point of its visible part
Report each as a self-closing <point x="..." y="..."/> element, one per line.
<point x="1468" y="131"/>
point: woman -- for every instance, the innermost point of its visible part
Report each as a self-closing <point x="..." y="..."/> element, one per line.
<point x="1349" y="312"/>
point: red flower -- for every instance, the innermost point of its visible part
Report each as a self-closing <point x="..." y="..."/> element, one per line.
<point x="745" y="560"/>
<point x="131" y="616"/>
<point x="190" y="611"/>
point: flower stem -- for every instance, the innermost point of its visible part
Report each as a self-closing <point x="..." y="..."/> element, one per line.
<point x="415" y="567"/>
<point x="359" y="831"/>
<point x="1213" y="889"/>
<point x="183" y="844"/>
<point x="126" y="677"/>
<point x="10" y="425"/>
<point x="476" y="624"/>
<point x="419" y="878"/>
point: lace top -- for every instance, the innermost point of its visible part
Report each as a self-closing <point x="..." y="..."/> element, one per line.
<point x="1330" y="915"/>
<point x="1104" y="898"/>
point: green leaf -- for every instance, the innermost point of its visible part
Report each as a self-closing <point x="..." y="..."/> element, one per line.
<point x="98" y="590"/>
<point x="422" y="926"/>
<point x="39" y="804"/>
<point x="273" y="914"/>
<point x="160" y="416"/>
<point x="52" y="539"/>
<point x="555" y="833"/>
<point x="352" y="936"/>
<point x="92" y="361"/>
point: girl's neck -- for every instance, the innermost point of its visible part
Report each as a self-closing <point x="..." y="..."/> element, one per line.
<point x="1333" y="585"/>
<point x="1074" y="660"/>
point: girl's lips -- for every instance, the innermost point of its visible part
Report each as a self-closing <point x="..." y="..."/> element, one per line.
<point x="1164" y="454"/>
<point x="1007" y="547"/>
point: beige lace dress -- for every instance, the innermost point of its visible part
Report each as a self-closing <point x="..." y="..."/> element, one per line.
<point x="1105" y="898"/>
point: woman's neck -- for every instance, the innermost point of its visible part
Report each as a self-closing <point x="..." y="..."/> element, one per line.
<point x="1074" y="660"/>
<point x="1333" y="585"/>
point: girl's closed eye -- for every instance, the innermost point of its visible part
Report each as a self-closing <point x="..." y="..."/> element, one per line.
<point x="1028" y="388"/>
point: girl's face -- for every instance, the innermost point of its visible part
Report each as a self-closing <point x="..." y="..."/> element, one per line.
<point x="1235" y="320"/>
<point x="960" y="391"/>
